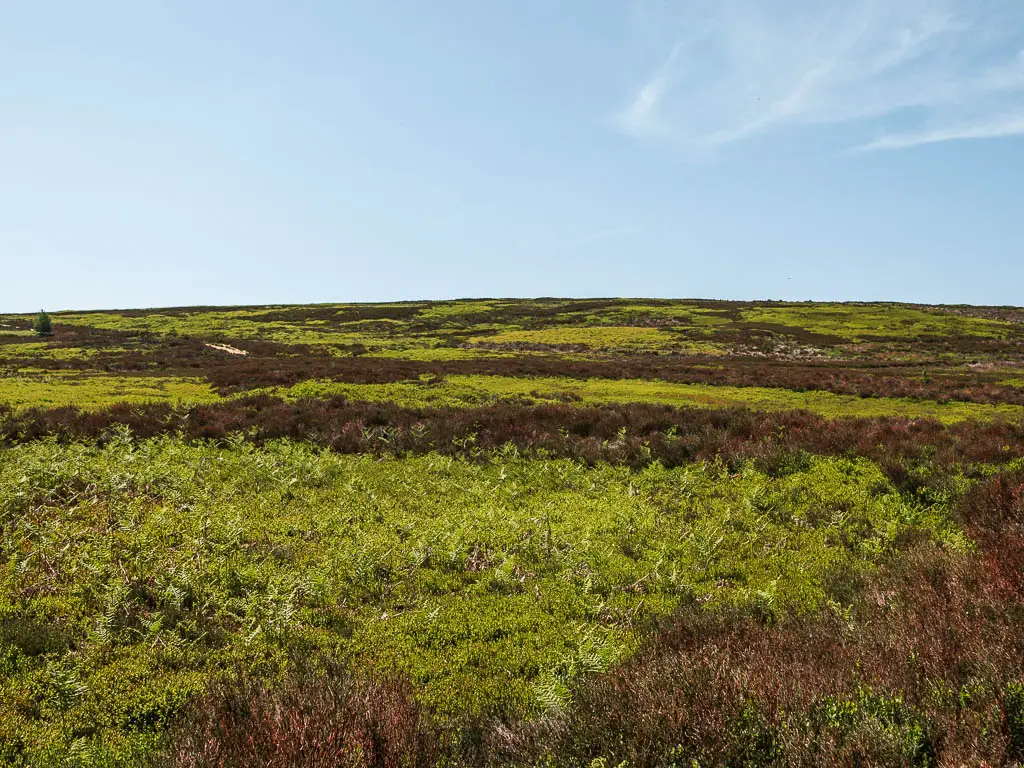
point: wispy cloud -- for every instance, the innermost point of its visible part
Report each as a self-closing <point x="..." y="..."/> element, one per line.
<point x="1011" y="126"/>
<point x="902" y="72"/>
<point x="643" y="116"/>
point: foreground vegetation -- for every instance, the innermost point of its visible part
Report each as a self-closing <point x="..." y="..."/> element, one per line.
<point x="553" y="533"/>
<point x="491" y="585"/>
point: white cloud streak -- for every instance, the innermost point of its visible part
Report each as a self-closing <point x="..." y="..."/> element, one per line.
<point x="1012" y="126"/>
<point x="907" y="72"/>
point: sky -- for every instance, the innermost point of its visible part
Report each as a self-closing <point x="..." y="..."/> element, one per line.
<point x="213" y="152"/>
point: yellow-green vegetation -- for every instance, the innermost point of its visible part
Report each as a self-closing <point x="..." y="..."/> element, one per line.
<point x="674" y="314"/>
<point x="600" y="338"/>
<point x="235" y="324"/>
<point x="212" y="325"/>
<point x="135" y="572"/>
<point x="439" y="354"/>
<point x="197" y="323"/>
<point x="447" y="310"/>
<point x="42" y="389"/>
<point x="857" y="322"/>
<point x="42" y="349"/>
<point x="467" y="391"/>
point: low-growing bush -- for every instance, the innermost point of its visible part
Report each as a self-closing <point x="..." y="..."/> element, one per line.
<point x="915" y="453"/>
<point x="924" y="667"/>
<point x="326" y="719"/>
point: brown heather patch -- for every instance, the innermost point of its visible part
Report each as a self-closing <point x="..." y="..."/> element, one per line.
<point x="633" y="434"/>
<point x="314" y="720"/>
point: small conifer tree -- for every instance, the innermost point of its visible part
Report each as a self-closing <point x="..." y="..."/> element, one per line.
<point x="42" y="326"/>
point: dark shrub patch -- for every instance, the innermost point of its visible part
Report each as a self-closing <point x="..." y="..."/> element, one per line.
<point x="326" y="720"/>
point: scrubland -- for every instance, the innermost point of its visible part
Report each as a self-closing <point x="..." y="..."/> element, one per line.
<point x="513" y="533"/>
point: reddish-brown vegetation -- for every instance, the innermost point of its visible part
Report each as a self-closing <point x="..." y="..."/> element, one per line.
<point x="325" y="720"/>
<point x="633" y="434"/>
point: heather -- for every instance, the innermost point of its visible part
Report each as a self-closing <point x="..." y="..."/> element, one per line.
<point x="559" y="532"/>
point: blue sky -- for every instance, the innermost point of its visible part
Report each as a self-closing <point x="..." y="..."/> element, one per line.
<point x="178" y="152"/>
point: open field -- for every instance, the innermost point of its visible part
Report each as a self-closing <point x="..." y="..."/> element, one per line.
<point x="610" y="532"/>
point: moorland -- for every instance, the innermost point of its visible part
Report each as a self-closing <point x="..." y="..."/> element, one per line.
<point x="550" y="532"/>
